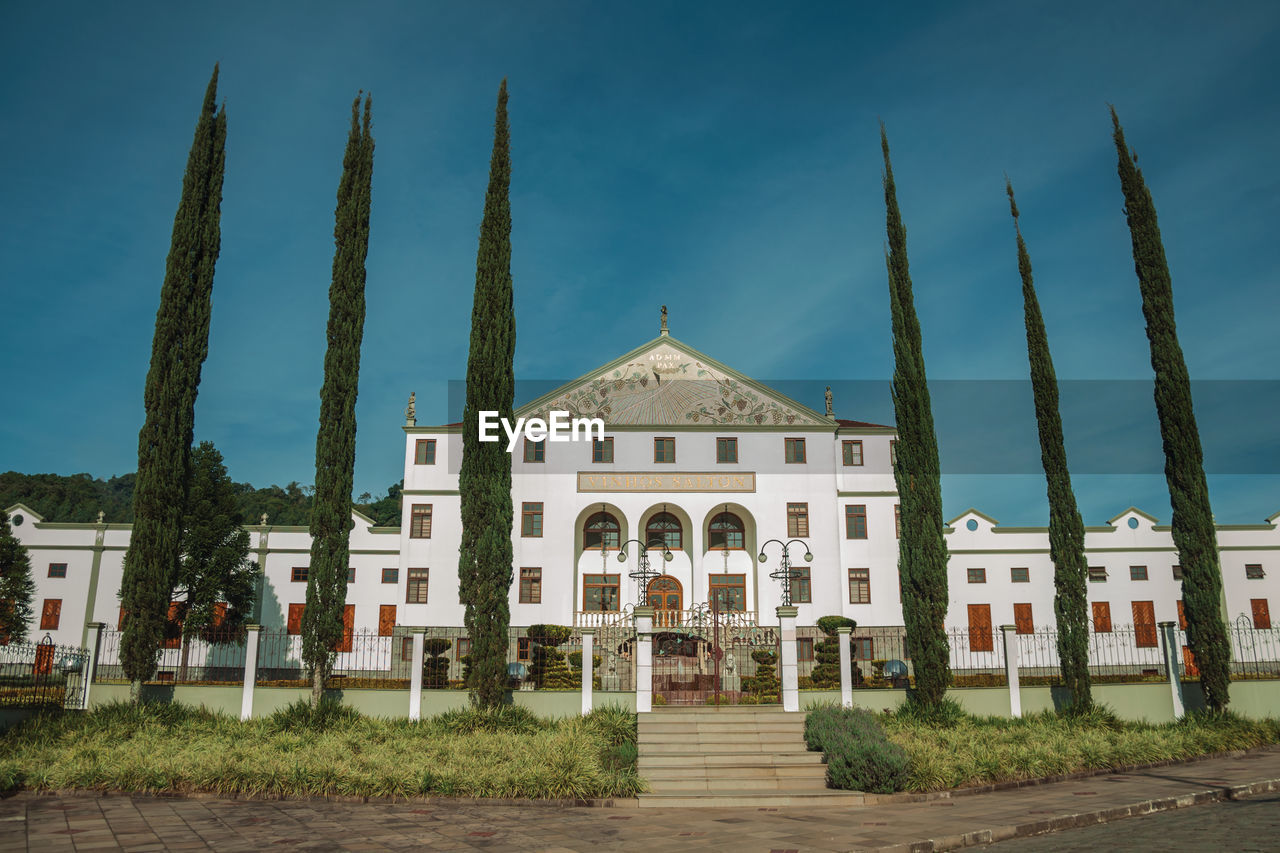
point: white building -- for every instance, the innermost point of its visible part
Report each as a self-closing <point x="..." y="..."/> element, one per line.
<point x="715" y="465"/>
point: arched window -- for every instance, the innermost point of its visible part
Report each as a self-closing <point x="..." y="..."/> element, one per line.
<point x="664" y="528"/>
<point x="601" y="529"/>
<point x="726" y="532"/>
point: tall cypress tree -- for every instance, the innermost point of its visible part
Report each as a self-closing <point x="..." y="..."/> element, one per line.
<point x="177" y="353"/>
<point x="16" y="586"/>
<point x="1066" y="529"/>
<point x="1193" y="532"/>
<point x="484" y="481"/>
<point x="922" y="551"/>
<point x="336" y="440"/>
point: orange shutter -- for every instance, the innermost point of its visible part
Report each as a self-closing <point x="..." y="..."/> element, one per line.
<point x="219" y="613"/>
<point x="386" y="620"/>
<point x="1102" y="617"/>
<point x="120" y="624"/>
<point x="51" y="614"/>
<point x="295" y="618"/>
<point x="173" y="626"/>
<point x="348" y="628"/>
<point x="44" y="659"/>
<point x="980" y="639"/>
<point x="1022" y="619"/>
<point x="1189" y="663"/>
<point x="1182" y="616"/>
<point x="1261" y="613"/>
<point x="1144" y="624"/>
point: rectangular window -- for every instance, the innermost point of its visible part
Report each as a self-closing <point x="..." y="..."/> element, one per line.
<point x="1102" y="617"/>
<point x="859" y="586"/>
<point x="600" y="593"/>
<point x="798" y="519"/>
<point x="851" y="451"/>
<point x="794" y="449"/>
<point x="1097" y="574"/>
<point x="980" y="639"/>
<point x="386" y="620"/>
<point x="294" y="625"/>
<point x="729" y="592"/>
<point x="855" y="521"/>
<point x="531" y="586"/>
<point x="897" y="520"/>
<point x="416" y="591"/>
<point x="1253" y="571"/>
<point x="420" y="522"/>
<point x="1177" y="573"/>
<point x="602" y="449"/>
<point x="299" y="574"/>
<point x="893" y="451"/>
<point x="57" y="570"/>
<point x="1144" y="624"/>
<point x="1020" y="574"/>
<point x="391" y="575"/>
<point x="1261" y="613"/>
<point x="864" y="648"/>
<point x="535" y="451"/>
<point x="463" y="646"/>
<point x="1182" y="615"/>
<point x="406" y="648"/>
<point x="664" y="450"/>
<point x="801" y="589"/>
<point x="1137" y="573"/>
<point x="351" y="574"/>
<point x="531" y="519"/>
<point x="424" y="452"/>
<point x="977" y="575"/>
<point x="523" y="649"/>
<point x="804" y="649"/>
<point x="50" y="614"/>
<point x="1022" y="620"/>
<point x="726" y="450"/>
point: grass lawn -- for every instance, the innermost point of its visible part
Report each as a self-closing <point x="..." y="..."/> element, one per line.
<point x="170" y="747"/>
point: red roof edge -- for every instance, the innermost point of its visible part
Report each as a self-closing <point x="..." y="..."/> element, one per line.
<point x="862" y="424"/>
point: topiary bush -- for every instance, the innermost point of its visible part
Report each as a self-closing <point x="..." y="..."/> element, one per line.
<point x="764" y="685"/>
<point x="826" y="673"/>
<point x="435" y="668"/>
<point x="548" y="669"/>
<point x="859" y="755"/>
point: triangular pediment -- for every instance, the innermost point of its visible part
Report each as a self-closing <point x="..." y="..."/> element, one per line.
<point x="668" y="383"/>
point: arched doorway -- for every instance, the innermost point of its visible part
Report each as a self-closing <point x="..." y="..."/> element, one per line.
<point x="665" y="596"/>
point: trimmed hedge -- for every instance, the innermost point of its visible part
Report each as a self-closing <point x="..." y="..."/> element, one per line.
<point x="859" y="755"/>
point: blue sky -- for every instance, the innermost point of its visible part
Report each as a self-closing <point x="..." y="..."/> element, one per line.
<point x="721" y="158"/>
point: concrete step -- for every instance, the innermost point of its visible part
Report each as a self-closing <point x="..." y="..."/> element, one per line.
<point x="729" y="759"/>
<point x="728" y="799"/>
<point x="717" y="724"/>
<point x="707" y="747"/>
<point x="742" y="735"/>
<point x="723" y="710"/>
<point x="695" y="785"/>
<point x="728" y="774"/>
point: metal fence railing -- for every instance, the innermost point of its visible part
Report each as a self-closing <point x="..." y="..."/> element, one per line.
<point x="42" y="674"/>
<point x="218" y="659"/>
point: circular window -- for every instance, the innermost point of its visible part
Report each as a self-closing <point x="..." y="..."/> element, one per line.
<point x="972" y="524"/>
<point x="17" y="520"/>
<point x="1133" y="524"/>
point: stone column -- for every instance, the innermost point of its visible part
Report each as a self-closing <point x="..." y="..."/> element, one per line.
<point x="644" y="658"/>
<point x="588" y="667"/>
<point x="418" y="634"/>
<point x="1011" y="669"/>
<point x="250" y="670"/>
<point x="790" y="673"/>
<point x="1169" y="645"/>
<point x="93" y="631"/>
<point x="846" y="667"/>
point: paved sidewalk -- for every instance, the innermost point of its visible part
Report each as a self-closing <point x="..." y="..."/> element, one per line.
<point x="81" y="821"/>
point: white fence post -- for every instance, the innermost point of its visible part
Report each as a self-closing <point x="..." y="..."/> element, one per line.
<point x="790" y="671"/>
<point x="846" y="667"/>
<point x="588" y="667"/>
<point x="1169" y="641"/>
<point x="415" y="671"/>
<point x="1011" y="669"/>
<point x="644" y="658"/>
<point x="250" y="670"/>
<point x="94" y="632"/>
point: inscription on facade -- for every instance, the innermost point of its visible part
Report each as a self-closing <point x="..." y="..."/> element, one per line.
<point x="642" y="482"/>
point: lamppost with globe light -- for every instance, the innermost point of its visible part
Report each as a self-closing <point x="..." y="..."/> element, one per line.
<point x="643" y="574"/>
<point x="784" y="573"/>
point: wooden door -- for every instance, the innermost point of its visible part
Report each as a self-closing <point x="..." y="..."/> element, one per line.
<point x="1022" y="619"/>
<point x="386" y="620"/>
<point x="348" y="628"/>
<point x="1144" y="624"/>
<point x="1261" y="613"/>
<point x="980" y="639"/>
<point x="665" y="596"/>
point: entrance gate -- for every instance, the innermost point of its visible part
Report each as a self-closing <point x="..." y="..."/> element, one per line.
<point x="709" y="656"/>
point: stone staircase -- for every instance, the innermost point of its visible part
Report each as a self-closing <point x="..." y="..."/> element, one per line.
<point x="731" y="756"/>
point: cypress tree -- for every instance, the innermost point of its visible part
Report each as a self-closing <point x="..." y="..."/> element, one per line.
<point x="336" y="440"/>
<point x="484" y="481"/>
<point x="17" y="588"/>
<point x="1066" y="529"/>
<point x="922" y="551"/>
<point x="1193" y="532"/>
<point x="178" y="350"/>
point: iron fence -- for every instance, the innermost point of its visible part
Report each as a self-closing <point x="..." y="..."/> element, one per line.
<point x="218" y="659"/>
<point x="42" y="674"/>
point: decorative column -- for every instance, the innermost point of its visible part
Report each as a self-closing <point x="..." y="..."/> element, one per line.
<point x="1011" y="669"/>
<point x="588" y="667"/>
<point x="846" y="667"/>
<point x="418" y="635"/>
<point x="1169" y="645"/>
<point x="644" y="658"/>
<point x="250" y="670"/>
<point x="92" y="630"/>
<point x="790" y="673"/>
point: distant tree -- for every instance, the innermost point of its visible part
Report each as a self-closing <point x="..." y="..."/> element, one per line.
<point x="484" y="481"/>
<point x="336" y="440"/>
<point x="1066" y="529"/>
<point x="1193" y="530"/>
<point x="922" y="550"/>
<point x="178" y="351"/>
<point x="386" y="510"/>
<point x="17" y="589"/>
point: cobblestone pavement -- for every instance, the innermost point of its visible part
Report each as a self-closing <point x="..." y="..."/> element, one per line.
<point x="85" y="821"/>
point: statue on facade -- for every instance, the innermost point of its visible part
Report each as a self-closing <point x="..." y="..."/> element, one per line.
<point x="263" y="520"/>
<point x="830" y="411"/>
<point x="411" y="413"/>
<point x="662" y="328"/>
<point x="101" y="515"/>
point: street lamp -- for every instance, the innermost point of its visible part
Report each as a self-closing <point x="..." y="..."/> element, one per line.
<point x="784" y="573"/>
<point x="643" y="574"/>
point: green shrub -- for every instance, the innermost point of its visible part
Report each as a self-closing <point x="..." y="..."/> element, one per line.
<point x="549" y="669"/>
<point x="946" y="714"/>
<point x="504" y="718"/>
<point x="300" y="716"/>
<point x="826" y="672"/>
<point x="859" y="755"/>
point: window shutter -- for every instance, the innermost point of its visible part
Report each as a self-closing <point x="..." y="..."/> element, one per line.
<point x="386" y="620"/>
<point x="1144" y="624"/>
<point x="1022" y="619"/>
<point x="348" y="628"/>
<point x="1261" y="613"/>
<point x="980" y="639"/>
<point x="295" y="618"/>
